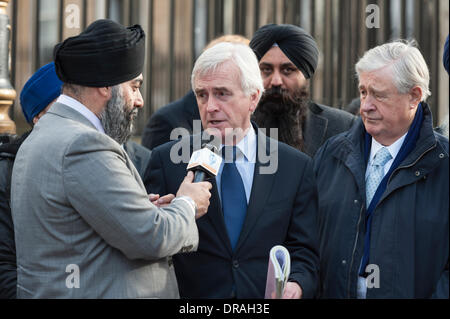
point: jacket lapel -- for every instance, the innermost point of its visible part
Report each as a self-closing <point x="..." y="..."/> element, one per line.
<point x="351" y="154"/>
<point x="261" y="190"/>
<point x="215" y="216"/>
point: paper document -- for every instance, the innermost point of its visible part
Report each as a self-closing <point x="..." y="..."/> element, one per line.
<point x="278" y="272"/>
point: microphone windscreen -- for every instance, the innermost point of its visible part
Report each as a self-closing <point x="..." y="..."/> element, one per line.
<point x="205" y="159"/>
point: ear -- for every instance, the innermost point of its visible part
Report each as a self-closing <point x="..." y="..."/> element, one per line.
<point x="415" y="96"/>
<point x="254" y="98"/>
<point x="104" y="92"/>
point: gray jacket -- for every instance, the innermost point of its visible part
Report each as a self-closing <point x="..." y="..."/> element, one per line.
<point x="80" y="211"/>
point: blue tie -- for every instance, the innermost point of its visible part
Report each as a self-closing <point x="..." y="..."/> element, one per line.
<point x="234" y="201"/>
<point x="376" y="173"/>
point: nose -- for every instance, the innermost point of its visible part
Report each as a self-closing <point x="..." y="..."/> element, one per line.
<point x="276" y="79"/>
<point x="211" y="105"/>
<point x="139" y="102"/>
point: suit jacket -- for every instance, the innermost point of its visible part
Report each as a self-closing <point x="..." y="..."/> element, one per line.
<point x="80" y="211"/>
<point x="140" y="156"/>
<point x="180" y="113"/>
<point x="323" y="122"/>
<point x="281" y="210"/>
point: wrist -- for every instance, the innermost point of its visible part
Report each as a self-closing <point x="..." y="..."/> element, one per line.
<point x="190" y="201"/>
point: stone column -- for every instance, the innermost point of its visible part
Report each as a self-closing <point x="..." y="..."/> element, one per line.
<point x="7" y="92"/>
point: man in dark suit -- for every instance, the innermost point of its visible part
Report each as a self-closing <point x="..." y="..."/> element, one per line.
<point x="182" y="113"/>
<point x="263" y="195"/>
<point x="288" y="58"/>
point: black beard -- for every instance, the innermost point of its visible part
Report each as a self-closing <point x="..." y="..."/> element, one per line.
<point x="117" y="118"/>
<point x="285" y="111"/>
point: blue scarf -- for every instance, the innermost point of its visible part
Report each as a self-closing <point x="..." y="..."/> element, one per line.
<point x="408" y="145"/>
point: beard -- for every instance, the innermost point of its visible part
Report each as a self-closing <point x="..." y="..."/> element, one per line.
<point x="286" y="112"/>
<point x="117" y="117"/>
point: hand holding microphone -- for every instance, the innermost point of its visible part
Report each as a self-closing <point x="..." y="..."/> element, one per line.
<point x="204" y="164"/>
<point x="198" y="192"/>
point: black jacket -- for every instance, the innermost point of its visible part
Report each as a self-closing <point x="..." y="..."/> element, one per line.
<point x="8" y="272"/>
<point x="323" y="122"/>
<point x="178" y="114"/>
<point x="410" y="226"/>
<point x="281" y="211"/>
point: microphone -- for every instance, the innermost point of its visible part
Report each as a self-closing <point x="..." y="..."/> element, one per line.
<point x="205" y="163"/>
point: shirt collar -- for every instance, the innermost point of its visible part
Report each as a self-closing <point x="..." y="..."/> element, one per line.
<point x="80" y="108"/>
<point x="393" y="149"/>
<point x="247" y="146"/>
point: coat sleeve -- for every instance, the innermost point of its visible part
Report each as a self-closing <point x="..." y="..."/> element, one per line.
<point x="101" y="188"/>
<point x="302" y="238"/>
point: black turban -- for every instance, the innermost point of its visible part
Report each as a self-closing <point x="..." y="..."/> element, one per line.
<point x="105" y="54"/>
<point x="297" y="44"/>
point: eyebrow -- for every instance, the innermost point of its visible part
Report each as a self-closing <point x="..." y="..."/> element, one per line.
<point x="371" y="88"/>
<point x="138" y="81"/>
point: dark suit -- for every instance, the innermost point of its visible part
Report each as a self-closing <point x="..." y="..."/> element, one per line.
<point x="282" y="210"/>
<point x="323" y="122"/>
<point x="180" y="113"/>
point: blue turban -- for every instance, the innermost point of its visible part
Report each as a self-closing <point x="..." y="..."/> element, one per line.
<point x="445" y="58"/>
<point x="41" y="89"/>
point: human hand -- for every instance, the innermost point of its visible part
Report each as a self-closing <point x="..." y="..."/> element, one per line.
<point x="292" y="290"/>
<point x="199" y="192"/>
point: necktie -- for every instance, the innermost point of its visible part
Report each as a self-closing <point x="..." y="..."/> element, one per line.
<point x="234" y="201"/>
<point x="376" y="173"/>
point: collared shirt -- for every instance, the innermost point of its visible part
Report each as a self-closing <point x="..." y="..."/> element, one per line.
<point x="393" y="149"/>
<point x="245" y="162"/>
<point x="83" y="110"/>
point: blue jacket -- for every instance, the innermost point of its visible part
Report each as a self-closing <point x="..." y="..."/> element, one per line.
<point x="410" y="227"/>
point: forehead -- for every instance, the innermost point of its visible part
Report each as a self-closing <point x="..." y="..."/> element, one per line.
<point x="275" y="56"/>
<point x="225" y="75"/>
<point x="377" y="79"/>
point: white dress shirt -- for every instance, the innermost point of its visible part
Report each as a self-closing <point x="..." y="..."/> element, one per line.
<point x="245" y="162"/>
<point x="83" y="110"/>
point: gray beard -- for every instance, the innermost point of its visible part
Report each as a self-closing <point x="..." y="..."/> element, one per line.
<point x="116" y="120"/>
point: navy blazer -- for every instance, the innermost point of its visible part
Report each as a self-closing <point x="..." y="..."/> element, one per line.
<point x="282" y="211"/>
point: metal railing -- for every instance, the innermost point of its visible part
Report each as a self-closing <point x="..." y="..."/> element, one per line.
<point x="177" y="31"/>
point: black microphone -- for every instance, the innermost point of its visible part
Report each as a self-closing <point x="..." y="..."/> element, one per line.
<point x="205" y="163"/>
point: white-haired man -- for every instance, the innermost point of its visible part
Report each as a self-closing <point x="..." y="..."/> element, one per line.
<point x="250" y="211"/>
<point x="383" y="185"/>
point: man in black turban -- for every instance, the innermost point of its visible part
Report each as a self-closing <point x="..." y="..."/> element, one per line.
<point x="83" y="221"/>
<point x="288" y="57"/>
